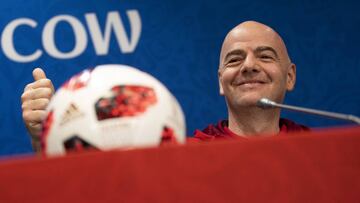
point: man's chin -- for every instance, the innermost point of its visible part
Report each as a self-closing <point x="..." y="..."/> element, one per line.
<point x="248" y="102"/>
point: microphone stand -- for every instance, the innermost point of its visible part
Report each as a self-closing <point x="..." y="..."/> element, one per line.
<point x="267" y="103"/>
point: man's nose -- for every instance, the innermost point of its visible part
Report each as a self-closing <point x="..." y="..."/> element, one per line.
<point x="250" y="64"/>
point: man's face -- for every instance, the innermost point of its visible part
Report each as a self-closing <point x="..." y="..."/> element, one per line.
<point x="254" y="64"/>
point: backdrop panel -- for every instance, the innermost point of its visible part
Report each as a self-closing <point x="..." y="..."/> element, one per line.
<point x="178" y="42"/>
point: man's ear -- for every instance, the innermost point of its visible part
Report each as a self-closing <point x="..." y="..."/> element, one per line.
<point x="220" y="85"/>
<point x="291" y="77"/>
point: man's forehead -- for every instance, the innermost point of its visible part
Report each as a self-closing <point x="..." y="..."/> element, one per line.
<point x="250" y="45"/>
<point x="252" y="35"/>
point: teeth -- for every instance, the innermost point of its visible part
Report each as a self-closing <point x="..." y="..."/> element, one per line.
<point x="250" y="82"/>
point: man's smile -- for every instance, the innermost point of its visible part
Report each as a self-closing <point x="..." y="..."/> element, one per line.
<point x="249" y="83"/>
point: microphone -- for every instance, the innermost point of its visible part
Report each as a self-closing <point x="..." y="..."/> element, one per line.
<point x="267" y="103"/>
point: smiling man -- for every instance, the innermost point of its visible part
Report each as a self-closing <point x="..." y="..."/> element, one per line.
<point x="254" y="63"/>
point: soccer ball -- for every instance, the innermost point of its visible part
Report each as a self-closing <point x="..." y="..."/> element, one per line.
<point x="111" y="106"/>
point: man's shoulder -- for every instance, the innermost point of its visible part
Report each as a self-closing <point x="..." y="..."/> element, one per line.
<point x="213" y="131"/>
<point x="287" y="125"/>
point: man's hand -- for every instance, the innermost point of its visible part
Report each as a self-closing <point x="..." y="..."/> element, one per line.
<point x="34" y="101"/>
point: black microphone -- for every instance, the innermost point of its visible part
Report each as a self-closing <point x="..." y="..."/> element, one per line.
<point x="267" y="103"/>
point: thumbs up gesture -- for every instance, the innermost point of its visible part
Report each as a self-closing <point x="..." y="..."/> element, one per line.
<point x="35" y="98"/>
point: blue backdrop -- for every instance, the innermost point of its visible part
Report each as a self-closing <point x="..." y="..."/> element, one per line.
<point x="178" y="42"/>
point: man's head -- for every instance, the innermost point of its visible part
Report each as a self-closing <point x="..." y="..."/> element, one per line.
<point x="254" y="63"/>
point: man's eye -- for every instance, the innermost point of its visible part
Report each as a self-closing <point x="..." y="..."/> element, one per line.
<point x="266" y="57"/>
<point x="234" y="60"/>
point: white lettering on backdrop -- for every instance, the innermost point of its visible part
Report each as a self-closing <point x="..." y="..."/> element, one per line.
<point x="99" y="38"/>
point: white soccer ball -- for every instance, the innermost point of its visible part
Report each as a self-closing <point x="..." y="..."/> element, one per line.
<point x="111" y="106"/>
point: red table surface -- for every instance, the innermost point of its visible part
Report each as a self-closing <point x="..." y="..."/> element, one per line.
<point x="321" y="166"/>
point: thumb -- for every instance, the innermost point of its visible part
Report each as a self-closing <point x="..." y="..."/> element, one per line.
<point x="38" y="74"/>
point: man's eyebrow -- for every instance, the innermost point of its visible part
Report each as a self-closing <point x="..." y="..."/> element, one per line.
<point x="234" y="52"/>
<point x="267" y="48"/>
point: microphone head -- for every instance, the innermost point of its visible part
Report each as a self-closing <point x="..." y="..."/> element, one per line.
<point x="265" y="103"/>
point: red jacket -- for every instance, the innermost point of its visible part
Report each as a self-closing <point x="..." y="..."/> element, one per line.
<point x="221" y="130"/>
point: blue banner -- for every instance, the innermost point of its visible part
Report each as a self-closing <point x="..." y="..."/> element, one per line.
<point x="179" y="43"/>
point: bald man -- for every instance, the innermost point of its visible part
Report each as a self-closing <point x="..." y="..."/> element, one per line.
<point x="254" y="63"/>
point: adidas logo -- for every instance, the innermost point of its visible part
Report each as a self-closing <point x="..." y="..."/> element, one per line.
<point x="71" y="113"/>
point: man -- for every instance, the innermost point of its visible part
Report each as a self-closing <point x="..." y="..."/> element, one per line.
<point x="254" y="63"/>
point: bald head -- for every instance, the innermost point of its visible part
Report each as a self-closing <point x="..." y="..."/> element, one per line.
<point x="257" y="34"/>
<point x="254" y="54"/>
